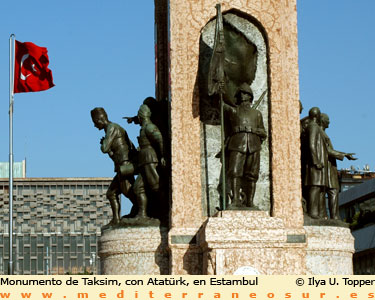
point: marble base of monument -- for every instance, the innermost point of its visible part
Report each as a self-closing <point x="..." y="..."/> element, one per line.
<point x="329" y="250"/>
<point x="185" y="253"/>
<point x="239" y="241"/>
<point x="134" y="251"/>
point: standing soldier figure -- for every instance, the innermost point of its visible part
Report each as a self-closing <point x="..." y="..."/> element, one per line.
<point x="150" y="155"/>
<point x="119" y="148"/>
<point x="246" y="136"/>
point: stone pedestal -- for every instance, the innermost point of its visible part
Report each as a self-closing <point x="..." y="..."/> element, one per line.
<point x="192" y="191"/>
<point x="251" y="240"/>
<point x="329" y="250"/>
<point x="134" y="251"/>
<point x="184" y="249"/>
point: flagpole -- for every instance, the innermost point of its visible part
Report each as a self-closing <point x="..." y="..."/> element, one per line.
<point x="11" y="160"/>
<point x="218" y="32"/>
<point x="222" y="138"/>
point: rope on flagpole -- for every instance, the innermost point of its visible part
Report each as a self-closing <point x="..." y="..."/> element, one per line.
<point x="11" y="160"/>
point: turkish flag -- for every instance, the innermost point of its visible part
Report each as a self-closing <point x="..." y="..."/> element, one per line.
<point x="31" y="73"/>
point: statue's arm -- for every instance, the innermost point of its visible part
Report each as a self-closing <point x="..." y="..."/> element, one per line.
<point x="350" y="156"/>
<point x="261" y="131"/>
<point x="341" y="155"/>
<point x="108" y="139"/>
<point x="338" y="154"/>
<point x="228" y="107"/>
<point x="334" y="153"/>
<point x="130" y="120"/>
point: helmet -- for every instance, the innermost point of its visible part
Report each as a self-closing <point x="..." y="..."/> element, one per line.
<point x="144" y="111"/>
<point x="245" y="88"/>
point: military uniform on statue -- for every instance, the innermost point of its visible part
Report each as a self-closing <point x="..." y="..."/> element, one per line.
<point x="245" y="140"/>
<point x="119" y="148"/>
<point x="151" y="149"/>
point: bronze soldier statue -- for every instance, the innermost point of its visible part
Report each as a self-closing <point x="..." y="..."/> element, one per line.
<point x="120" y="149"/>
<point x="332" y="188"/>
<point x="159" y="115"/>
<point x="316" y="163"/>
<point x="247" y="133"/>
<point x="150" y="157"/>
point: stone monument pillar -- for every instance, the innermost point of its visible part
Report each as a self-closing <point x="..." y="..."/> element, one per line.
<point x="205" y="235"/>
<point x="202" y="239"/>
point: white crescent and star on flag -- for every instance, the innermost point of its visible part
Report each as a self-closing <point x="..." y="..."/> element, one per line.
<point x="31" y="68"/>
<point x="23" y="59"/>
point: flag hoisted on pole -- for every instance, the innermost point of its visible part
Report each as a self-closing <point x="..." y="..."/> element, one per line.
<point x="28" y="72"/>
<point x="216" y="74"/>
<point x="11" y="100"/>
<point x="216" y="85"/>
<point x="31" y="68"/>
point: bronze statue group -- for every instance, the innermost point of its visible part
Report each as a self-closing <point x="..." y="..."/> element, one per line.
<point x="147" y="163"/>
<point x="148" y="191"/>
<point x="319" y="167"/>
<point x="139" y="172"/>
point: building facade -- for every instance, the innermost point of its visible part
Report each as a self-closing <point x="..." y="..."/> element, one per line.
<point x="357" y="207"/>
<point x="56" y="224"/>
<point x="19" y="169"/>
<point x="349" y="179"/>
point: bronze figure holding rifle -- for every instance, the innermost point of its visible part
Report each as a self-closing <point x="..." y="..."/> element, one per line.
<point x="247" y="133"/>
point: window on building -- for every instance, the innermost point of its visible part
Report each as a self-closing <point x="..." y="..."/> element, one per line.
<point x="20" y="245"/>
<point x="6" y="246"/>
<point x="26" y="259"/>
<point x="26" y="239"/>
<point x="60" y="245"/>
<point x="73" y="245"/>
<point x="20" y="264"/>
<point x="46" y="240"/>
<point x="40" y="262"/>
<point x="87" y="245"/>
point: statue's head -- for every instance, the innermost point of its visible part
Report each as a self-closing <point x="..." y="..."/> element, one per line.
<point x="324" y="120"/>
<point x="144" y="112"/>
<point x="99" y="117"/>
<point x="150" y="101"/>
<point x="244" y="93"/>
<point x="314" y="113"/>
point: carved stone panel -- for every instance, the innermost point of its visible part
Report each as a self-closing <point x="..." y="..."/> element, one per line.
<point x="254" y="69"/>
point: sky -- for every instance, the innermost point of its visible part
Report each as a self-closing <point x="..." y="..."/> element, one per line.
<point x="336" y="66"/>
<point x="102" y="54"/>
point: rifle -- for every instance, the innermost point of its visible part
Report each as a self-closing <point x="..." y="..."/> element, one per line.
<point x="257" y="103"/>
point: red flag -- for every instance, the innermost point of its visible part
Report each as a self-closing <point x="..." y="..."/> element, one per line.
<point x="31" y="73"/>
<point x="216" y="73"/>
